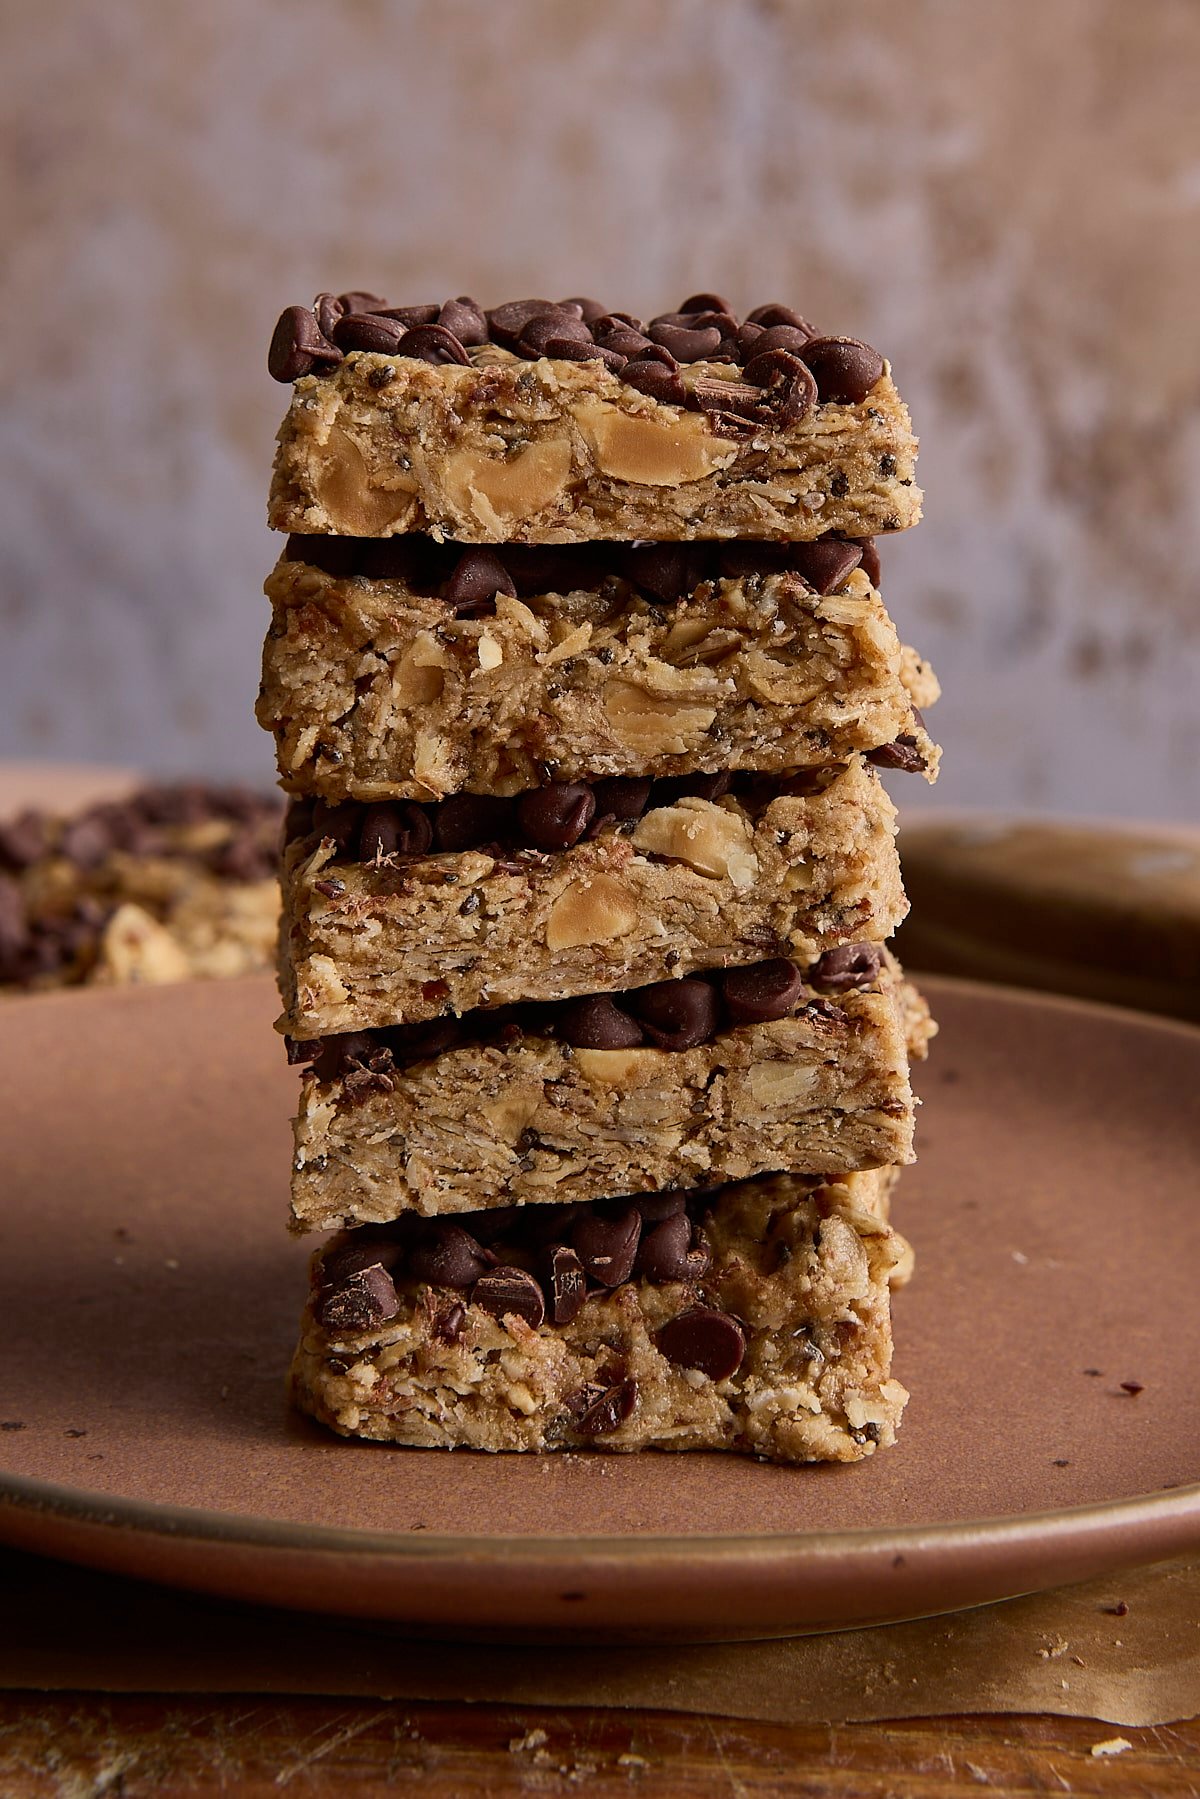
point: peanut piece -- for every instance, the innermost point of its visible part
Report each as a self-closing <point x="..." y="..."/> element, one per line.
<point x="776" y="1084"/>
<point x="655" y="724"/>
<point x="620" y="1067"/>
<point x="709" y="838"/>
<point x="343" y="488"/>
<point x="666" y="451"/>
<point x="590" y="911"/>
<point x="511" y="1115"/>
<point x="497" y="493"/>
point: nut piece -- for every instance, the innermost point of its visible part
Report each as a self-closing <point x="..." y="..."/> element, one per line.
<point x="513" y="1114"/>
<point x="343" y="489"/>
<point x="591" y="911"/>
<point x="653" y="452"/>
<point x="498" y="493"/>
<point x="775" y="1084"/>
<point x="418" y="678"/>
<point x="136" y="948"/>
<point x="709" y="838"/>
<point x="490" y="653"/>
<point x="620" y="1067"/>
<point x="655" y="724"/>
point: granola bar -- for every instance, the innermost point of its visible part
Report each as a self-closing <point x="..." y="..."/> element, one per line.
<point x="592" y="888"/>
<point x="701" y="1080"/>
<point x="431" y="673"/>
<point x="755" y="1319"/>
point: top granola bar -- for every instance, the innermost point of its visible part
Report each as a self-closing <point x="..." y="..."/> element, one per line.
<point x="559" y="422"/>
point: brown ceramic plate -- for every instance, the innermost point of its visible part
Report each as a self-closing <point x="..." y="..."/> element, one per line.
<point x="150" y="1296"/>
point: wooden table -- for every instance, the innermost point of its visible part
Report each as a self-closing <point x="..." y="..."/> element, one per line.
<point x="81" y="1746"/>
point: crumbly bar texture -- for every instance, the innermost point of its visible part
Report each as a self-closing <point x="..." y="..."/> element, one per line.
<point x="507" y="450"/>
<point x="536" y="1120"/>
<point x="372" y="691"/>
<point x="170" y="884"/>
<point x="798" y="1270"/>
<point x="691" y="884"/>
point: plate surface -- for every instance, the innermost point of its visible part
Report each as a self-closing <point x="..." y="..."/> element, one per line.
<point x="151" y="1296"/>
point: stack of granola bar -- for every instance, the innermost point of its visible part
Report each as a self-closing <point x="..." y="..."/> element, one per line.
<point x="580" y="681"/>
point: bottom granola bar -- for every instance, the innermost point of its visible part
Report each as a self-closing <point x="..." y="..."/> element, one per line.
<point x="753" y="1318"/>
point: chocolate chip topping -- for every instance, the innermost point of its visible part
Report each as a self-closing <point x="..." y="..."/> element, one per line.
<point x="597" y="1022"/>
<point x="870" y="561"/>
<point x="666" y="1252"/>
<point x="763" y="992"/>
<point x="555" y="816"/>
<point x="568" y="1284"/>
<point x="773" y="393"/>
<point x="905" y="754"/>
<point x="706" y="1339"/>
<point x="830" y="562"/>
<point x="478" y="576"/>
<point x="614" y="1405"/>
<point x="361" y="1298"/>
<point x="510" y="1290"/>
<point x="849" y="966"/>
<point x="396" y="828"/>
<point x="607" y="1245"/>
<point x="676" y="1015"/>
<point x="448" y="1256"/>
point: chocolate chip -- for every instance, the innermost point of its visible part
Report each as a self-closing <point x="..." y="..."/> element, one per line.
<point x="781" y="337"/>
<point x="706" y="1339"/>
<point x="870" y="560"/>
<point x="589" y="310"/>
<point x="337" y="556"/>
<point x="506" y="323"/>
<point x="366" y="331"/>
<point x="657" y="381"/>
<point x="448" y="1324"/>
<point x="904" y="754"/>
<point x="654" y="1207"/>
<point x="466" y="820"/>
<point x="789" y="387"/>
<point x="726" y="396"/>
<point x="607" y="1246"/>
<point x="775" y="314"/>
<point x="848" y="966"/>
<point x="477" y="577"/>
<point x="670" y="571"/>
<point x="763" y="992"/>
<point x="23" y="839"/>
<point x="356" y="300"/>
<point x="748" y="335"/>
<point x="685" y="345"/>
<point x="844" y="369"/>
<point x="396" y="829"/>
<point x="360" y="1300"/>
<point x="538" y="331"/>
<point x="621" y="797"/>
<point x="597" y="1022"/>
<point x="298" y="345"/>
<point x="555" y="816"/>
<point x="691" y="787"/>
<point x="408" y="316"/>
<point x="432" y="343"/>
<point x="510" y="1290"/>
<point x="666" y="1252"/>
<point x="421" y="1042"/>
<point x="676" y="1015"/>
<point x="828" y="562"/>
<point x="446" y="1255"/>
<point x="568" y="1285"/>
<point x="464" y="317"/>
<point x="612" y="1408"/>
<point x="565" y="349"/>
<point x="328" y="310"/>
<point x="706" y="303"/>
<point x="624" y="341"/>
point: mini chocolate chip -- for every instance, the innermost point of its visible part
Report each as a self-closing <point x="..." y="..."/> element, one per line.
<point x="538" y="331"/>
<point x="464" y="317"/>
<point x="887" y="465"/>
<point x="666" y="1252"/>
<point x="362" y="1299"/>
<point x="448" y="1256"/>
<point x="432" y="343"/>
<point x="845" y="370"/>
<point x="870" y="560"/>
<point x="447" y="1325"/>
<point x="846" y="967"/>
<point x="298" y="345"/>
<point x="365" y="331"/>
<point x="685" y="345"/>
<point x="789" y="388"/>
<point x="358" y="301"/>
<point x="621" y="796"/>
<point x="555" y="816"/>
<point x="466" y="820"/>
<point x="839" y="484"/>
<point x="706" y="303"/>
<point x="506" y="323"/>
<point x="706" y="1339"/>
<point x="676" y="1015"/>
<point x="395" y="829"/>
<point x="612" y="1408"/>
<point x="328" y="310"/>
<point x="607" y="1246"/>
<point x="828" y="562"/>
<point x="763" y="992"/>
<point x="510" y="1290"/>
<point x="657" y="381"/>
<point x="597" y="1022"/>
<point x="775" y="314"/>
<point x="475" y="580"/>
<point x="904" y="755"/>
<point x="670" y="571"/>
<point x="568" y="1285"/>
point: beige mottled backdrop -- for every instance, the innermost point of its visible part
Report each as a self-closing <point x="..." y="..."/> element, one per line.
<point x="1002" y="194"/>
